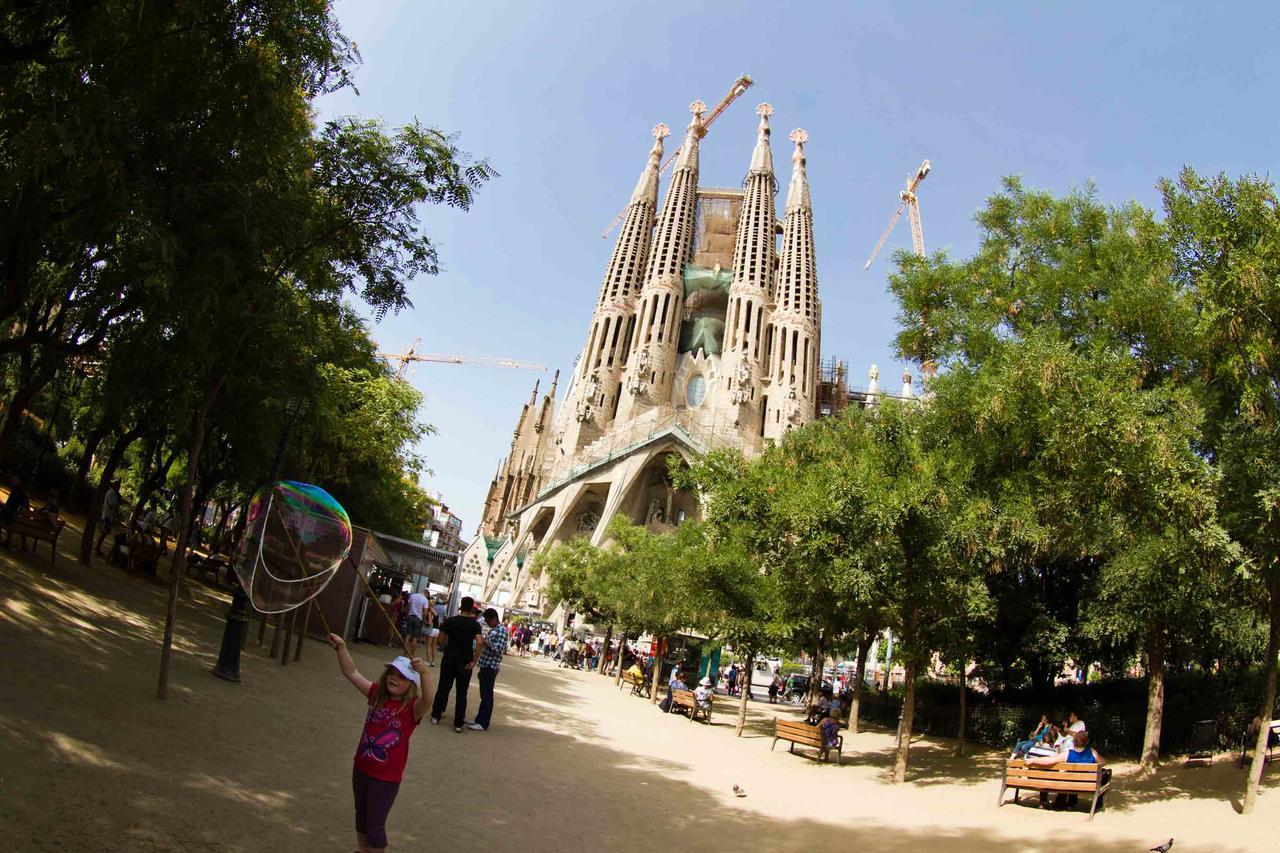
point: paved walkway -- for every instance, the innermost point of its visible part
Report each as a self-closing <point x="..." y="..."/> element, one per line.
<point x="92" y="761"/>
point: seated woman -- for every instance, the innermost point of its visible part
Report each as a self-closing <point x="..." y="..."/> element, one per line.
<point x="1038" y="734"/>
<point x="704" y="692"/>
<point x="818" y="710"/>
<point x="829" y="728"/>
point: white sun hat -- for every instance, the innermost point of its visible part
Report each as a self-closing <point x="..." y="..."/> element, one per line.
<point x="405" y="668"/>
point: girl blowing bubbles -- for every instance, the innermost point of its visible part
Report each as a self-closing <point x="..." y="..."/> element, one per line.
<point x="397" y="703"/>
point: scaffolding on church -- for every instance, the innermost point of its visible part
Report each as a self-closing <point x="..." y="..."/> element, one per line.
<point x="833" y="387"/>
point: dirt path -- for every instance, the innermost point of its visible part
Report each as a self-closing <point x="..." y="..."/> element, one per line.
<point x="90" y="760"/>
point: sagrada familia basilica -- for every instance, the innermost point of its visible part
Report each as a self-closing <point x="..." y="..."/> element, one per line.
<point x="705" y="334"/>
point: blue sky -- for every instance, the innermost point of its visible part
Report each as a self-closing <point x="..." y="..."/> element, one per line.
<point x="560" y="97"/>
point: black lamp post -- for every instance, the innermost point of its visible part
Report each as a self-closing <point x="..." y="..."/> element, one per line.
<point x="233" y="636"/>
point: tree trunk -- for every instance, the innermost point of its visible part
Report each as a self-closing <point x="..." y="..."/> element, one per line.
<point x="1155" y="703"/>
<point x="657" y="670"/>
<point x="908" y="714"/>
<point x="237" y="533"/>
<point x="604" y="649"/>
<point x="179" y="561"/>
<point x="744" y="695"/>
<point x="622" y="647"/>
<point x="964" y="690"/>
<point x="150" y="485"/>
<point x="91" y="442"/>
<point x="95" y="505"/>
<point x="864" y="648"/>
<point x="1268" y="698"/>
<point x="17" y="405"/>
<point x="224" y="515"/>
<point x="815" y="677"/>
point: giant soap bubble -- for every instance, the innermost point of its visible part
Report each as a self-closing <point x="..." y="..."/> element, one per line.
<point x="296" y="538"/>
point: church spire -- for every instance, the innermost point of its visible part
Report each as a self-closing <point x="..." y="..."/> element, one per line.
<point x="797" y="313"/>
<point x="762" y="156"/>
<point x="652" y="358"/>
<point x="646" y="191"/>
<point x="798" y="193"/>
<point x="752" y="286"/>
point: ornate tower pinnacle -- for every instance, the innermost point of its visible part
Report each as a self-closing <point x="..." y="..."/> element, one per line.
<point x="762" y="156"/>
<point x="688" y="158"/>
<point x="798" y="193"/>
<point x="647" y="186"/>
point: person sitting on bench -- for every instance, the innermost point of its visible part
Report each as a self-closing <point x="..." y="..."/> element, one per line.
<point x="1079" y="752"/>
<point x="1038" y="734"/>
<point x="820" y="709"/>
<point x="830" y="730"/>
<point x="704" y="692"/>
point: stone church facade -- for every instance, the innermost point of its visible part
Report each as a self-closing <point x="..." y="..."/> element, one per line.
<point x="706" y="333"/>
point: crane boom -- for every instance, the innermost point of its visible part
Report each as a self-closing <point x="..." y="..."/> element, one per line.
<point x="481" y="360"/>
<point x="741" y="85"/>
<point x="911" y="204"/>
<point x="411" y="354"/>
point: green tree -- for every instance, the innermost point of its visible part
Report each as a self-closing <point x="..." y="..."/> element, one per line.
<point x="1224" y="239"/>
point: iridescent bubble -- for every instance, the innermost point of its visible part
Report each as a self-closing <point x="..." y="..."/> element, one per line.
<point x="296" y="538"/>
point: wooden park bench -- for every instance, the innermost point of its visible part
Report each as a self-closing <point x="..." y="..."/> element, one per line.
<point x="201" y="566"/>
<point x="803" y="734"/>
<point x="29" y="526"/>
<point x="1062" y="778"/>
<point x="687" y="699"/>
<point x="639" y="684"/>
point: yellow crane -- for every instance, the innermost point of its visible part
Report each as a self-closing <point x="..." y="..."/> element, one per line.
<point x="912" y="206"/>
<point x="741" y="85"/>
<point x="412" y="354"/>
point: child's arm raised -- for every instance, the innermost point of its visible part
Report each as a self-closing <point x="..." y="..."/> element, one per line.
<point x="348" y="666"/>
<point x="427" y="689"/>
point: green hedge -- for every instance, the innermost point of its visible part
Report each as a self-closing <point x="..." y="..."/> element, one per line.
<point x="1114" y="709"/>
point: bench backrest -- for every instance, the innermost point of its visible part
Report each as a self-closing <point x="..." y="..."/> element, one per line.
<point x="800" y="732"/>
<point x="1062" y="776"/>
<point x="684" y="696"/>
<point x="32" y="524"/>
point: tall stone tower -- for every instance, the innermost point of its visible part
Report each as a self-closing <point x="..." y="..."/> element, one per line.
<point x="704" y="335"/>
<point x="797" y="313"/>
<point x="652" y="364"/>
<point x="751" y="294"/>
<point x="594" y="399"/>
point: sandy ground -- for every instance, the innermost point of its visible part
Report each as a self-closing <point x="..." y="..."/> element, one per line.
<point x="91" y="760"/>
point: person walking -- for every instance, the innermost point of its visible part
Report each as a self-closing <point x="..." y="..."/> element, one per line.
<point x="494" y="640"/>
<point x="461" y="651"/>
<point x="413" y="621"/>
<point x="107" y="517"/>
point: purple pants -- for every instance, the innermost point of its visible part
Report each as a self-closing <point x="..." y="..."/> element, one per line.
<point x="373" y="803"/>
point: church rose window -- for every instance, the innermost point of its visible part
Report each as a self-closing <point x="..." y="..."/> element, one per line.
<point x="695" y="391"/>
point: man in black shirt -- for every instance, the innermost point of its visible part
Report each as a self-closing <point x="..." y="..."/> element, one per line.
<point x="458" y="636"/>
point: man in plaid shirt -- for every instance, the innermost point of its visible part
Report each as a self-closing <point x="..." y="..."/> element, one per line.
<point x="494" y="640"/>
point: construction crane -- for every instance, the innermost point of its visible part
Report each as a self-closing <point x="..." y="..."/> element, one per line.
<point x="741" y="85"/>
<point x="912" y="205"/>
<point x="411" y="354"/>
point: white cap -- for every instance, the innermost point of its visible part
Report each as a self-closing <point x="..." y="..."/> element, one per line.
<point x="405" y="668"/>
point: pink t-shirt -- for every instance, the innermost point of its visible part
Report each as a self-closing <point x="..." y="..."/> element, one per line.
<point x="384" y="744"/>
